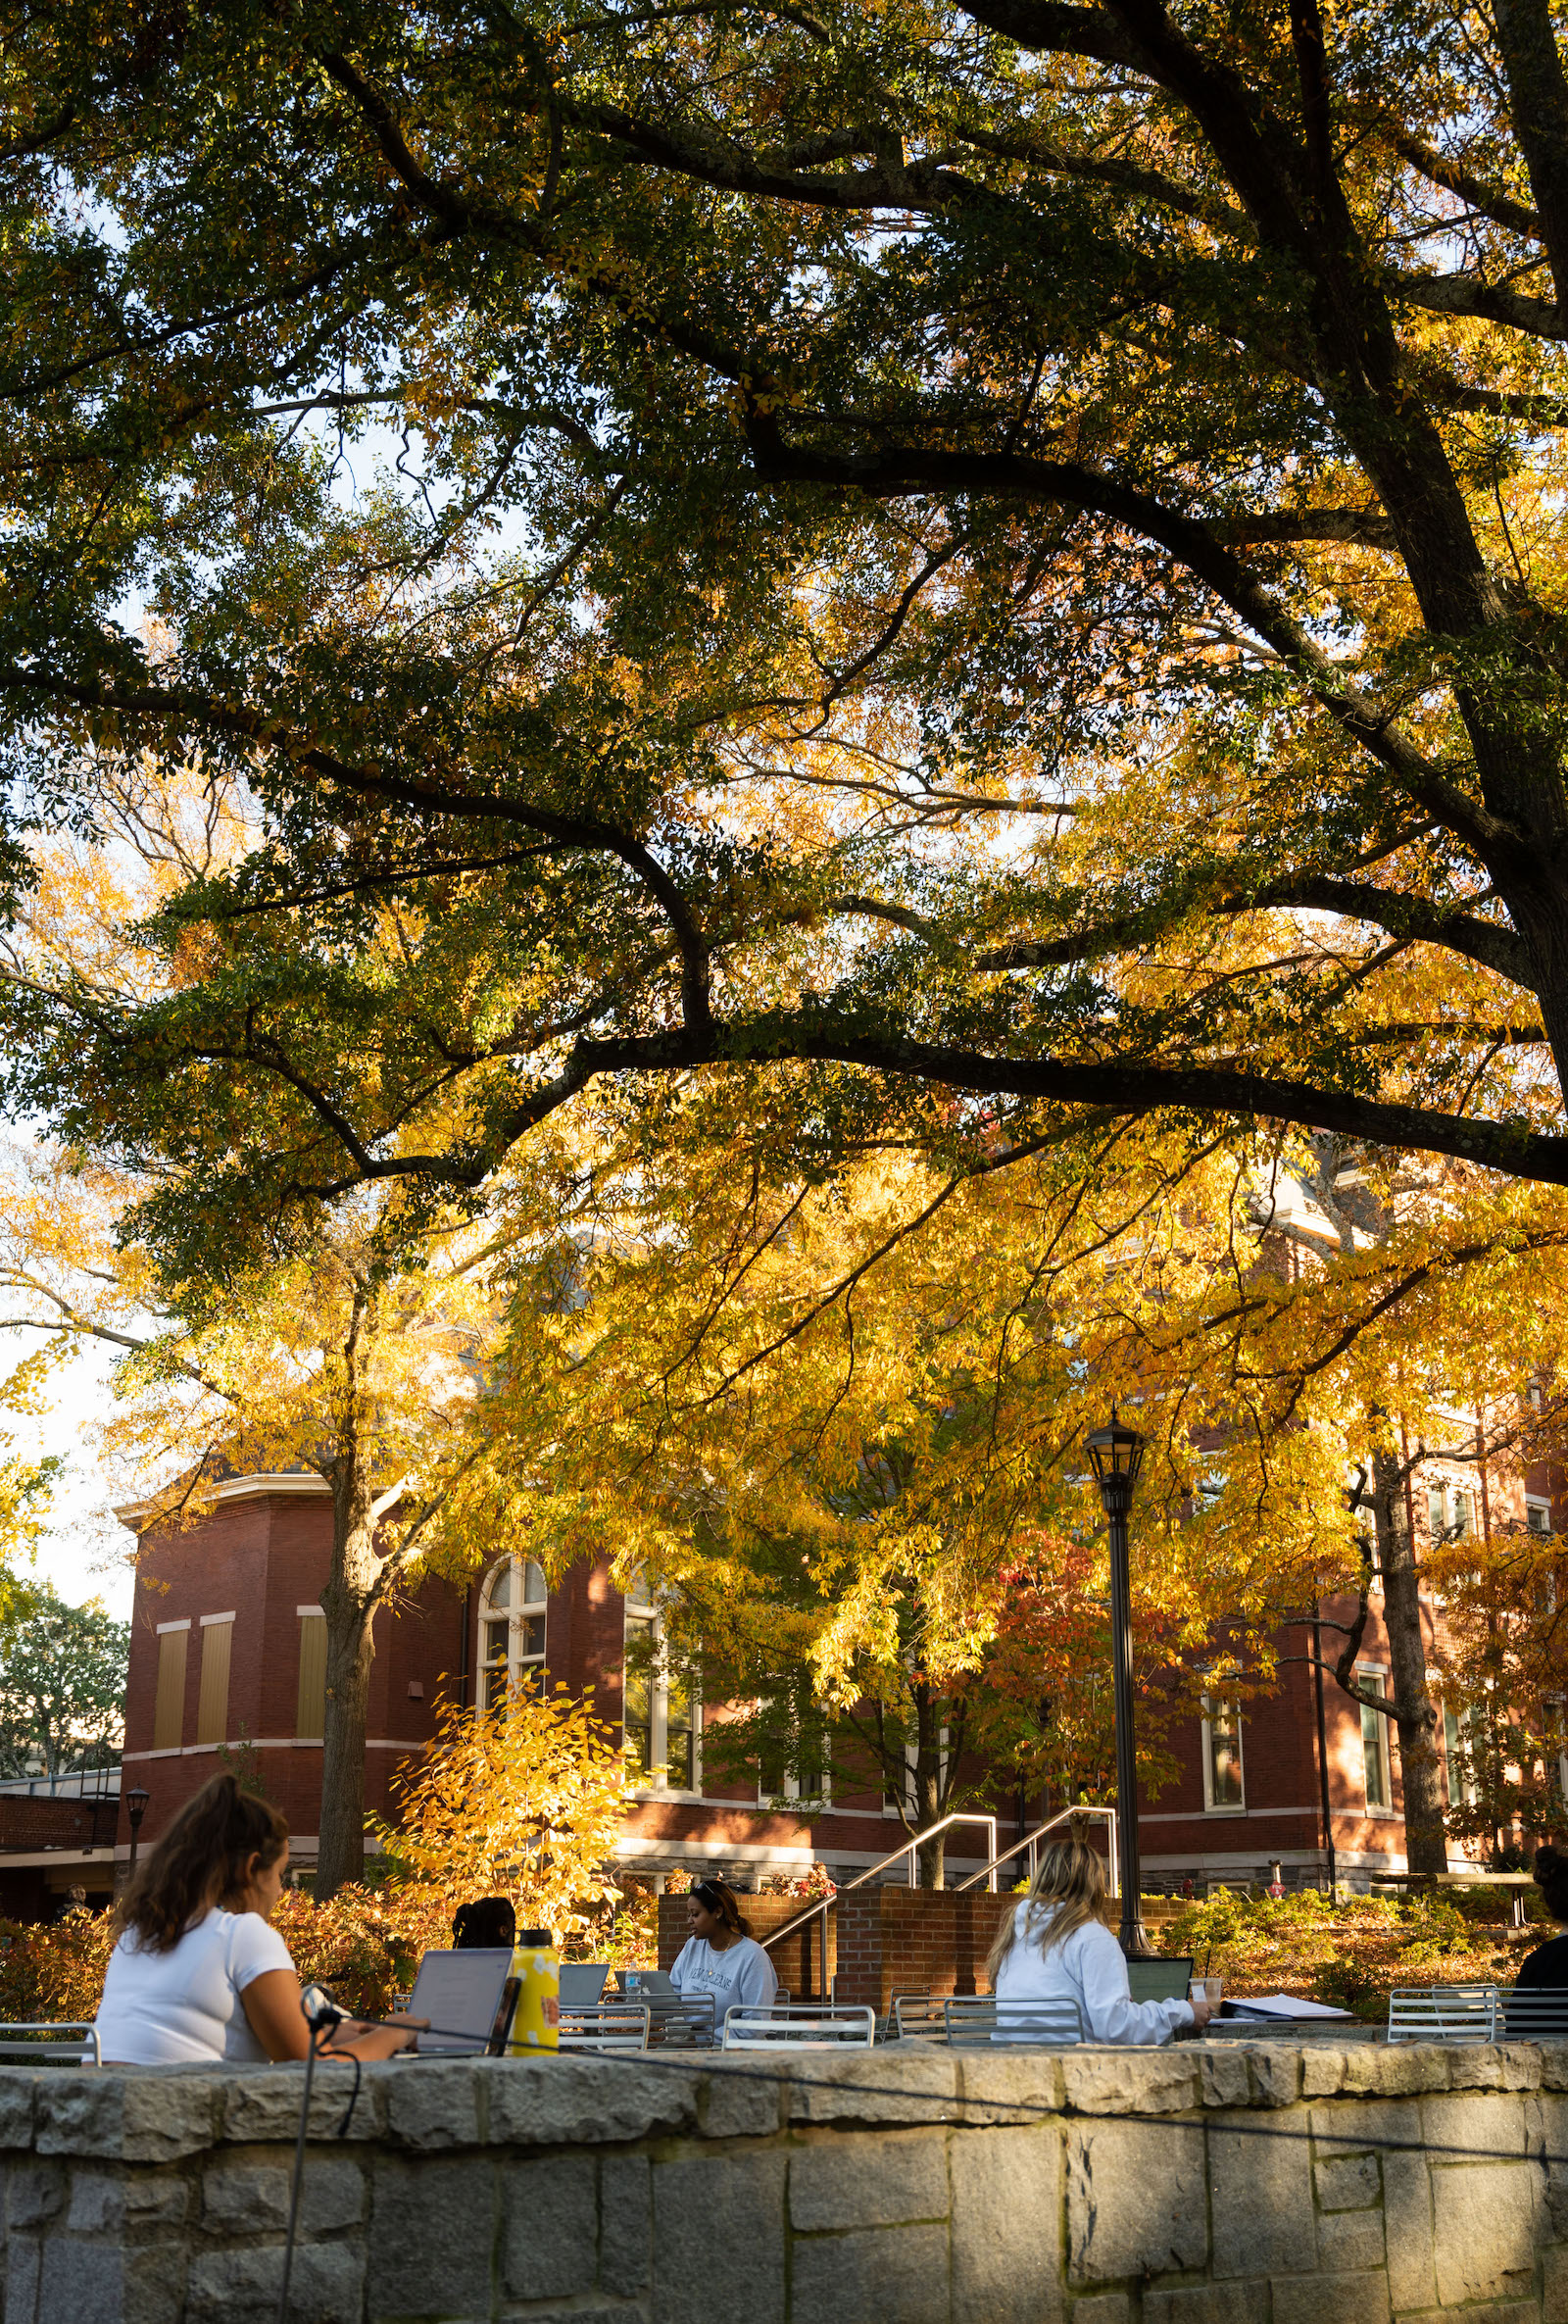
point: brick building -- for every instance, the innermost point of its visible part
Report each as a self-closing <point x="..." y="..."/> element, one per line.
<point x="228" y="1656"/>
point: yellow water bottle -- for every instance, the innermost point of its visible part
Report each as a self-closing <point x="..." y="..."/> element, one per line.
<point x="536" y="2017"/>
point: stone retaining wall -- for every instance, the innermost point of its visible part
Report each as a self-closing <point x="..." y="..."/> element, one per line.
<point x="1201" y="2185"/>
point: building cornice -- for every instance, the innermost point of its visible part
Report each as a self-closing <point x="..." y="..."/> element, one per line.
<point x="132" y="1513"/>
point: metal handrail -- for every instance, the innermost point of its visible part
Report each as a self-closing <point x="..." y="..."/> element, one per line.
<point x="820" y="1911"/>
<point x="1032" y="1840"/>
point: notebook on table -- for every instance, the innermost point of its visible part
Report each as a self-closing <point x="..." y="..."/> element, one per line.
<point x="467" y="1997"/>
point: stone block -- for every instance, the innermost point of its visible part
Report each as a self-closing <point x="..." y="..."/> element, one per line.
<point x="1404" y="2070"/>
<point x="840" y="2180"/>
<point x="1348" y="2181"/>
<point x="1136" y="2203"/>
<point x="1407" y="2232"/>
<point x="1208" y="2303"/>
<point x="737" y="2103"/>
<point x="625" y="2225"/>
<point x="1276" y="2072"/>
<point x="1009" y="2089"/>
<point x="566" y="2101"/>
<point x="1547" y="2143"/>
<point x="1348" y="2241"/>
<point x="1555" y="2065"/>
<point x="1260" y="2202"/>
<point x="261" y="2104"/>
<point x="1223" y="2079"/>
<point x="1131" y="2081"/>
<point x="719" y="2219"/>
<point x="15" y="2111"/>
<point x="1504" y="2065"/>
<point x="153" y="2286"/>
<point x="1483" y="2231"/>
<point x="1102" y="2307"/>
<point x="1472" y="2126"/>
<point x="433" y="2237"/>
<point x="326" y="2286"/>
<point x="34" y="2192"/>
<point x="1322" y="2069"/>
<point x="1006" y="2224"/>
<point x="876" y="2086"/>
<point x="97" y="2202"/>
<point x="1554" y="2286"/>
<point x="1331" y="2300"/>
<point x="81" y="2277"/>
<point x="434" y="2105"/>
<point x="152" y="2115"/>
<point x="551" y="2215"/>
<point x="893" y="2275"/>
<point x="1360" y="2126"/>
<point x="23" y="2264"/>
<point x="252" y="2198"/>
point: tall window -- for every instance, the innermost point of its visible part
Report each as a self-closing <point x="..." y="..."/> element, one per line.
<point x="169" y="1705"/>
<point x="212" y="1703"/>
<point x="1223" y="1787"/>
<point x="1375" y="1742"/>
<point x="1450" y="1511"/>
<point x="513" y="1608"/>
<point x="310" y="1714"/>
<point x="1458" y="1728"/>
<point x="661" y="1717"/>
<point x="1538" y="1513"/>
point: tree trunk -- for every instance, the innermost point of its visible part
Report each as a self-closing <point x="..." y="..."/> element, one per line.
<point x="349" y="1604"/>
<point x="1415" y="1714"/>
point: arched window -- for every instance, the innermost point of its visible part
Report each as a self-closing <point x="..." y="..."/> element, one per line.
<point x="512" y="1629"/>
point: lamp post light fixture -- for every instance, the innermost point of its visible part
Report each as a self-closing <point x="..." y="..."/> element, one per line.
<point x="135" y="1808"/>
<point x="1115" y="1454"/>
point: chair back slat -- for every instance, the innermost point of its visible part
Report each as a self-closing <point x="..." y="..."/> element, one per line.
<point x="800" y="2025"/>
<point x="1442" y="2014"/>
<point x="606" y="2025"/>
<point x="917" y="2017"/>
<point x="30" y="2041"/>
<point x="1533" y="2013"/>
<point x="973" y="2020"/>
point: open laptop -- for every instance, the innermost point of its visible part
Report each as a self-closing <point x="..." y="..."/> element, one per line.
<point x="647" y="1985"/>
<point x="582" y="1983"/>
<point x="467" y="1997"/>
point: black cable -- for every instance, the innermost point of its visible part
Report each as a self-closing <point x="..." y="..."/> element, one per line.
<point x="299" y="2178"/>
<point x="353" y="2056"/>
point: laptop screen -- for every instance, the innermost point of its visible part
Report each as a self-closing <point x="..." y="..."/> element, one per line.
<point x="460" y="1993"/>
<point x="582" y="1983"/>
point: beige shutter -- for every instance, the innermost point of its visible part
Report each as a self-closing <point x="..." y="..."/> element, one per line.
<point x="310" y="1721"/>
<point x="169" y="1711"/>
<point x="212" y="1710"/>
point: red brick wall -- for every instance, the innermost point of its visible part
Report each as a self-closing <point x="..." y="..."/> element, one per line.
<point x="892" y="1940"/>
<point x="31" y="1824"/>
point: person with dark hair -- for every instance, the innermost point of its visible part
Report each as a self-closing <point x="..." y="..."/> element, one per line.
<point x="486" y="1923"/>
<point x="721" y="1958"/>
<point x="1547" y="1968"/>
<point x="196" y="1973"/>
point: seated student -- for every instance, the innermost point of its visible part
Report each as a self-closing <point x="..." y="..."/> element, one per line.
<point x="196" y="1973"/>
<point x="1545" y="1970"/>
<point x="1055" y="1947"/>
<point x="488" y="1923"/>
<point x="721" y="1957"/>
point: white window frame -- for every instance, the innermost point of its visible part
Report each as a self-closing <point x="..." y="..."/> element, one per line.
<point x="524" y="1662"/>
<point x="1211" y="1805"/>
<point x="642" y="1608"/>
<point x="1376" y="1677"/>
<point x="1457" y="1728"/>
<point x="1537" y="1504"/>
<point x="1448" y="1491"/>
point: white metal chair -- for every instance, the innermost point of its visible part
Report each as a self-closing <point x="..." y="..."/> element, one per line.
<point x="800" y="2025"/>
<point x="917" y="2017"/>
<point x="606" y="2025"/>
<point x="1533" y="2013"/>
<point x="975" y="2020"/>
<point x="1442" y="2014"/>
<point x="22" y="2041"/>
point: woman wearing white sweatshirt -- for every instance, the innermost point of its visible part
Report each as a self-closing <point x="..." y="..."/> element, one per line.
<point x="1056" y="1947"/>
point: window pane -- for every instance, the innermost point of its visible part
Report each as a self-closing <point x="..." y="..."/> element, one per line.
<point x="533" y="1583"/>
<point x="495" y="1686"/>
<point x="531" y="1636"/>
<point x="1463" y="1514"/>
<point x="1435" y="1512"/>
<point x="640" y="1744"/>
<point x="1537" y="1516"/>
<point x="499" y="1590"/>
<point x="168" y="1708"/>
<point x="212" y="1708"/>
<point x="1224" y="1756"/>
<point x="1375" y="1745"/>
<point x="496" y="1637"/>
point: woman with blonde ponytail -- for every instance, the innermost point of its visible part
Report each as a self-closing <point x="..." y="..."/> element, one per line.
<point x="197" y="1974"/>
<point x="1055" y="1947"/>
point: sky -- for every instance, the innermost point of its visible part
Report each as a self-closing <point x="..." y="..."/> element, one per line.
<point x="83" y="1553"/>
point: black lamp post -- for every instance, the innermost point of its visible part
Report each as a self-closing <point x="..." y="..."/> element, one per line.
<point x="1117" y="1453"/>
<point x="135" y="1808"/>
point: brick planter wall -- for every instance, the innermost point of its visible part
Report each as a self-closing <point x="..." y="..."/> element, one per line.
<point x="913" y="1940"/>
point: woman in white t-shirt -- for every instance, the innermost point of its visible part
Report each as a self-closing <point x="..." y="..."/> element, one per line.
<point x="196" y="1973"/>
<point x="721" y="1958"/>
<point x="1055" y="1947"/>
